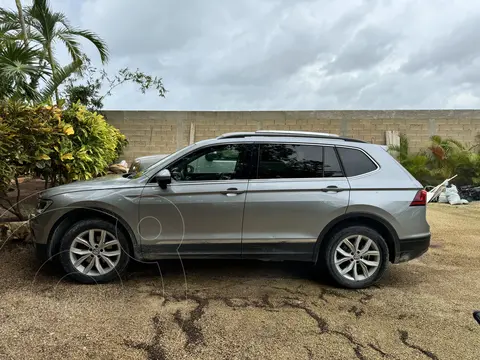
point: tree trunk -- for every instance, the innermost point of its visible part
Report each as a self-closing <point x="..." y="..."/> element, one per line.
<point x="17" y="204"/>
<point x="52" y="66"/>
<point x="22" y="21"/>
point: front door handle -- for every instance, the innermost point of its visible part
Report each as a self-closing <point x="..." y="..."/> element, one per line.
<point x="232" y="192"/>
<point x="332" y="188"/>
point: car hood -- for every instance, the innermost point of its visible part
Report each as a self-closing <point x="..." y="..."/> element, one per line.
<point x="107" y="182"/>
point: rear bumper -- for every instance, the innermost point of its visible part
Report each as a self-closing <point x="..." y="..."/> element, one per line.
<point x="412" y="248"/>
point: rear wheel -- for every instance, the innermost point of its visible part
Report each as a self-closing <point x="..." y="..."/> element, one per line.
<point x="94" y="251"/>
<point x="355" y="257"/>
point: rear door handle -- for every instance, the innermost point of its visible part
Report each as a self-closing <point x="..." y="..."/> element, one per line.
<point x="332" y="188"/>
<point x="232" y="192"/>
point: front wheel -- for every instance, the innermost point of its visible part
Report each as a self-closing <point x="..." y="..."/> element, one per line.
<point x="355" y="257"/>
<point x="94" y="251"/>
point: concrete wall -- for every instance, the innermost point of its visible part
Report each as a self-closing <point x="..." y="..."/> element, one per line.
<point x="162" y="132"/>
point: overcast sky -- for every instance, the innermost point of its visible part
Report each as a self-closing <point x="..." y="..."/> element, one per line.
<point x="289" y="54"/>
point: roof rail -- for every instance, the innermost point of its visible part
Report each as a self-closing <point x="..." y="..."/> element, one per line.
<point x="236" y="135"/>
<point x="298" y="133"/>
<point x="286" y="133"/>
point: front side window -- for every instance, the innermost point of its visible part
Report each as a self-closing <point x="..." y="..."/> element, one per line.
<point x="219" y="162"/>
<point x="287" y="161"/>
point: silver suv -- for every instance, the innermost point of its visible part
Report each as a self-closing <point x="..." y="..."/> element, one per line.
<point x="345" y="205"/>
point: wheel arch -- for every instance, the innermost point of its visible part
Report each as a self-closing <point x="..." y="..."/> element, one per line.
<point x="62" y="225"/>
<point x="359" y="218"/>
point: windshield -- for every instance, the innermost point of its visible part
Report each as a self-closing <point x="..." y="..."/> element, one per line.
<point x="158" y="163"/>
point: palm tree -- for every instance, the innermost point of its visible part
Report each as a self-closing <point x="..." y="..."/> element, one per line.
<point x="20" y="69"/>
<point x="45" y="27"/>
<point x="18" y="63"/>
<point x="442" y="148"/>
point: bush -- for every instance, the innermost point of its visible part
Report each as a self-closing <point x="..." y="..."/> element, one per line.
<point x="441" y="160"/>
<point x="60" y="146"/>
<point x="28" y="135"/>
<point x="6" y="170"/>
<point x="93" y="147"/>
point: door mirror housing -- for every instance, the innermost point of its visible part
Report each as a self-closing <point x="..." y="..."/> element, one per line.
<point x="163" y="178"/>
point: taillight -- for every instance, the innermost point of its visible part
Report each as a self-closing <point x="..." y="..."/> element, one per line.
<point x="420" y="198"/>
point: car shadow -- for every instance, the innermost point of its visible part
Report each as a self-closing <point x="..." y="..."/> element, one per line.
<point x="219" y="268"/>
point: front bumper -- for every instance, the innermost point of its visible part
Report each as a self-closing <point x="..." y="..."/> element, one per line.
<point x="37" y="229"/>
<point x="412" y="248"/>
<point x="41" y="252"/>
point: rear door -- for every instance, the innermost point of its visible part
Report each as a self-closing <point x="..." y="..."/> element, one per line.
<point x="298" y="189"/>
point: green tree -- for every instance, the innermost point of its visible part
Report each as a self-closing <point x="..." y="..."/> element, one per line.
<point x="46" y="27"/>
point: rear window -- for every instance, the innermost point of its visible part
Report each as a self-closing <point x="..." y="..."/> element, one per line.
<point x="355" y="162"/>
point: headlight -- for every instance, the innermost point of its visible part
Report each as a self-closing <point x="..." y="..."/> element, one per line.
<point x="42" y="205"/>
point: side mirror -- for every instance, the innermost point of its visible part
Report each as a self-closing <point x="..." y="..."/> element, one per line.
<point x="163" y="178"/>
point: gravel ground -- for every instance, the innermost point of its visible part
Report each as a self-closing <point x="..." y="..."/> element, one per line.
<point x="250" y="310"/>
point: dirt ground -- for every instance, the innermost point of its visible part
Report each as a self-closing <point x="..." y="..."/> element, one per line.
<point x="250" y="310"/>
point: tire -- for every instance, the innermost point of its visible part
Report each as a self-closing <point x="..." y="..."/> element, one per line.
<point x="335" y="261"/>
<point x="112" y="258"/>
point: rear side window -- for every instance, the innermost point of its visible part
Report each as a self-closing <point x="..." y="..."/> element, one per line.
<point x="289" y="161"/>
<point x="355" y="162"/>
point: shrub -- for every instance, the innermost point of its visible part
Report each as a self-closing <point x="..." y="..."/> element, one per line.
<point x="416" y="164"/>
<point x="94" y="146"/>
<point x="441" y="160"/>
<point x="6" y="170"/>
<point x="60" y="146"/>
<point x="28" y="135"/>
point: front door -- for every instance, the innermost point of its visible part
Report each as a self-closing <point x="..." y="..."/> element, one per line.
<point x="201" y="212"/>
<point x="298" y="190"/>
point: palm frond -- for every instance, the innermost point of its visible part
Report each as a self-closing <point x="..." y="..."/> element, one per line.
<point x="62" y="19"/>
<point x="17" y="59"/>
<point x="9" y="30"/>
<point x="41" y="18"/>
<point x="456" y="143"/>
<point x="436" y="139"/>
<point x="18" y="66"/>
<point x="99" y="43"/>
<point x="61" y="74"/>
<point x="9" y="16"/>
<point x="36" y="36"/>
<point x="71" y="43"/>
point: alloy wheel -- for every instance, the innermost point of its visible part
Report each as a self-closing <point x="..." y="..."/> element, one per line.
<point x="95" y="252"/>
<point x="357" y="257"/>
